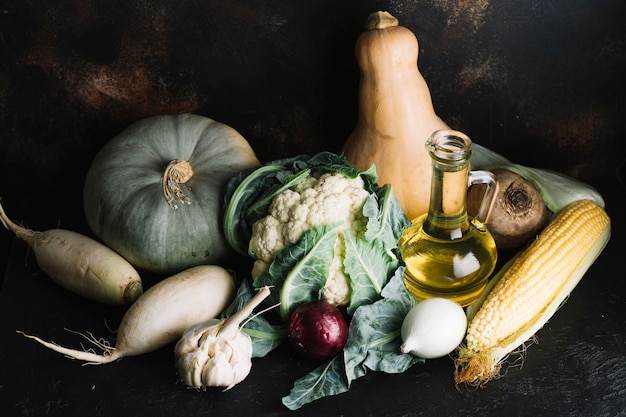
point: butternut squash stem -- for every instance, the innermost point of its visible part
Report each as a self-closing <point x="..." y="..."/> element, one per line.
<point x="380" y="20"/>
<point x="176" y="173"/>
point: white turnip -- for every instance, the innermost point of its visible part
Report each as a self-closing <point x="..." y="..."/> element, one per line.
<point x="80" y="264"/>
<point x="161" y="315"/>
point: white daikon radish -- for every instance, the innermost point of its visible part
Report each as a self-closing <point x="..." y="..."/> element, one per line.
<point x="80" y="264"/>
<point x="161" y="315"/>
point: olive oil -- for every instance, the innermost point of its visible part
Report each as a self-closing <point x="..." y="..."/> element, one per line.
<point x="446" y="253"/>
<point x="437" y="268"/>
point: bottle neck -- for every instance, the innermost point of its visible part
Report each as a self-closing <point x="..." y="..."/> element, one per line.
<point x="447" y="214"/>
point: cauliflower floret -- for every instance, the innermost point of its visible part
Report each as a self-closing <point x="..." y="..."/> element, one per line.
<point x="331" y="198"/>
<point x="337" y="288"/>
<point x="306" y="184"/>
<point x="282" y="204"/>
<point x="259" y="267"/>
<point x="266" y="239"/>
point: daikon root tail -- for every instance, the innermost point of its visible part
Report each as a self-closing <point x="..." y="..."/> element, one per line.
<point x="90" y="358"/>
<point x="19" y="231"/>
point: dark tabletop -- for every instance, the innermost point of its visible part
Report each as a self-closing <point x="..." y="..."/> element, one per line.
<point x="577" y="368"/>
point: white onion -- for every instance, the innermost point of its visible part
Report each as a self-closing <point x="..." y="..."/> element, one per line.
<point x="433" y="328"/>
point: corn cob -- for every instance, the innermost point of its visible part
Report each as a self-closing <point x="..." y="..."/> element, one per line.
<point x="528" y="290"/>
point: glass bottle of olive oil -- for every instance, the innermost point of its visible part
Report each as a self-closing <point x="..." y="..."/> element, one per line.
<point x="447" y="254"/>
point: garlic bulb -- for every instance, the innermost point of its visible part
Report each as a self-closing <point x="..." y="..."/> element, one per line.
<point x="216" y="353"/>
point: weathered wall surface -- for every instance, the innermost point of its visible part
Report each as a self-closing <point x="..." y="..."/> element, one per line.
<point x="540" y="81"/>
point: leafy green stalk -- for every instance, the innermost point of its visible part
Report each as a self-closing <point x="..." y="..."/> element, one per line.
<point x="368" y="265"/>
<point x="325" y="380"/>
<point x="386" y="219"/>
<point x="243" y="190"/>
<point x="369" y="260"/>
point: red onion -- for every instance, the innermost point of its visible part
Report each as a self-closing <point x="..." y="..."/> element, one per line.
<point x="317" y="330"/>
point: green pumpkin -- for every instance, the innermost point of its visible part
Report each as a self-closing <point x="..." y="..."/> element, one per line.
<point x="154" y="193"/>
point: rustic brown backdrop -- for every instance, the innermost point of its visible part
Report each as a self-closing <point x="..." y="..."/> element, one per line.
<point x="540" y="81"/>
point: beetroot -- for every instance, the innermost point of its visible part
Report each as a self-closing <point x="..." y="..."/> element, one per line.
<point x="317" y="330"/>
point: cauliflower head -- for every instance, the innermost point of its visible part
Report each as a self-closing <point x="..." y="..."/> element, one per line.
<point x="325" y="199"/>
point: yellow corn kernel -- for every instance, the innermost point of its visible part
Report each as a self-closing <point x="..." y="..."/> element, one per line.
<point x="526" y="294"/>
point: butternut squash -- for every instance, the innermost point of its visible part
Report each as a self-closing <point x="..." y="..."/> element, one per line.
<point x="396" y="114"/>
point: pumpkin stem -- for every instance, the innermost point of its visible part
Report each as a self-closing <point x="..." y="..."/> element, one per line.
<point x="176" y="173"/>
<point x="380" y="20"/>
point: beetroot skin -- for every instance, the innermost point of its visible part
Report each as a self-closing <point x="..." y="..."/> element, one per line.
<point x="317" y="330"/>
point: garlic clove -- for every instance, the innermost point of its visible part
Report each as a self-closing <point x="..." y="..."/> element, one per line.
<point x="218" y="372"/>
